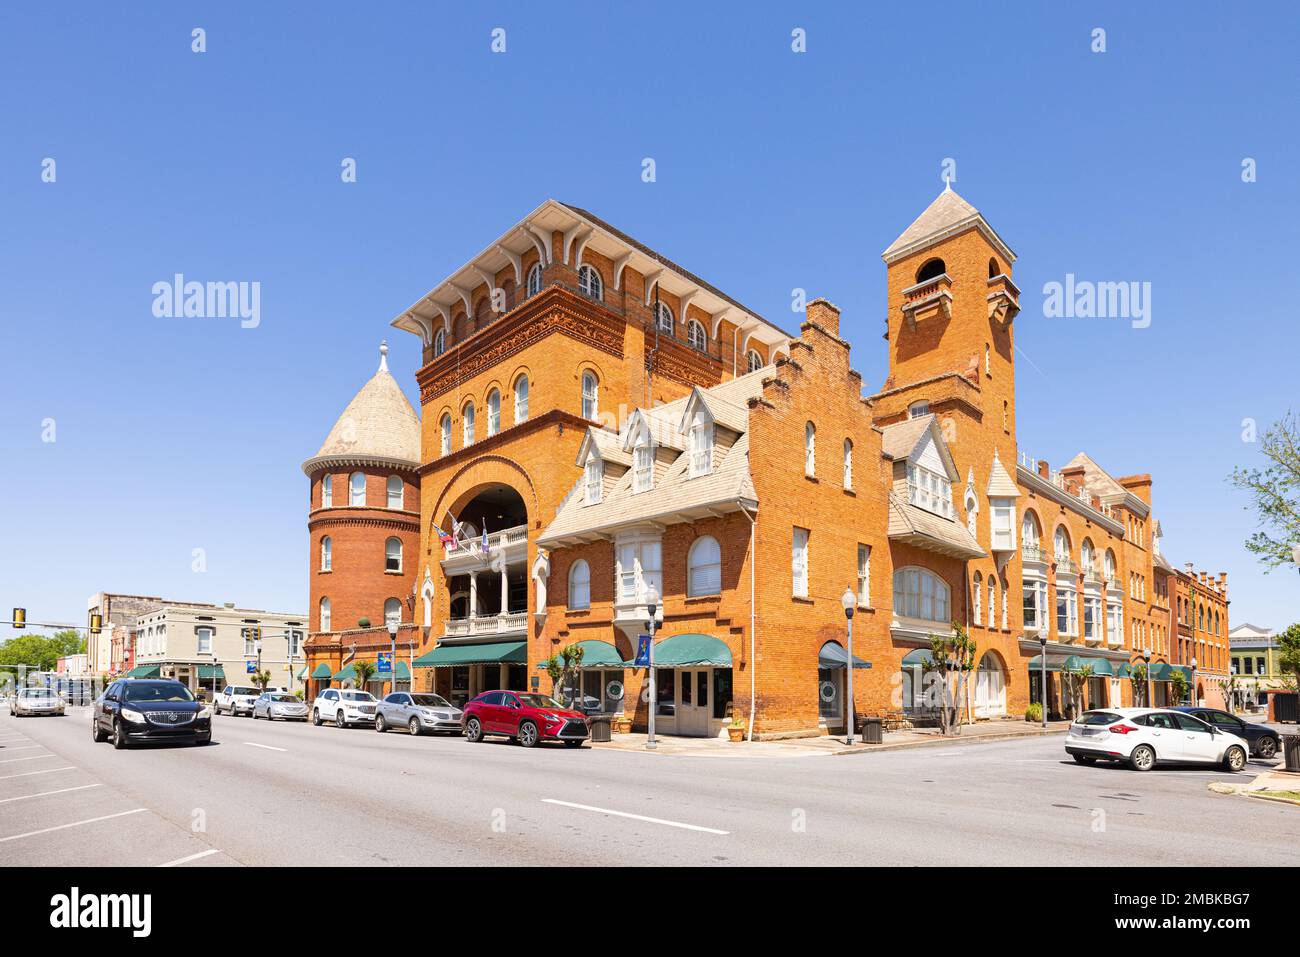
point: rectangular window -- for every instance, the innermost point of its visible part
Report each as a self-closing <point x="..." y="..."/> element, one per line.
<point x="250" y="643"/>
<point x="643" y="468"/>
<point x="1035" y="604"/>
<point x="640" y="565"/>
<point x="1067" y="612"/>
<point x="594" y="477"/>
<point x="204" y="636"/>
<point x="929" y="490"/>
<point x="864" y="575"/>
<point x="1091" y="617"/>
<point x="327" y="492"/>
<point x="701" y="450"/>
<point x="799" y="562"/>
<point x="1003" y="515"/>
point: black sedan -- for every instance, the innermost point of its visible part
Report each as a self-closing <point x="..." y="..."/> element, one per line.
<point x="1264" y="741"/>
<point x="140" y="711"/>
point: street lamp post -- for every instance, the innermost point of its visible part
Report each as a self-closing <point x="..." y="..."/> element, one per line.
<point x="1042" y="676"/>
<point x="392" y="648"/>
<point x="850" y="603"/>
<point x="1146" y="657"/>
<point x="1191" y="692"/>
<point x="651" y="609"/>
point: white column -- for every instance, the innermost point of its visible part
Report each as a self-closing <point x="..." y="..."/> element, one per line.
<point x="505" y="591"/>
<point x="473" y="594"/>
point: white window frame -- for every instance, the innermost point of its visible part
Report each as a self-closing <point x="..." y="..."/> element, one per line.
<point x="444" y="426"/>
<point x="917" y="591"/>
<point x="809" y="449"/>
<point x="664" y="320"/>
<point x="579" y="587"/>
<point x="643" y="466"/>
<point x="864" y="575"/>
<point x="467" y="425"/>
<point x="1037" y="588"/>
<point x="704" y="567"/>
<point x="326" y="553"/>
<point x="494" y="412"/>
<point x="327" y="491"/>
<point x="522" y="387"/>
<point x="638" y="563"/>
<point x="357" y="495"/>
<point x="799" y="562"/>
<point x="590" y="282"/>
<point x="928" y="490"/>
<point x="1067" y="602"/>
<point x="534" y="280"/>
<point x="590" y="395"/>
<point x="701" y="448"/>
<point x="326" y="615"/>
<point x="388" y="553"/>
<point x="753" y="361"/>
<point x="918" y="409"/>
<point x="440" y="342"/>
<point x="848" y="464"/>
<point x="396" y="500"/>
<point x="203" y="636"/>
<point x="1002" y="524"/>
<point x="593" y="480"/>
<point x="696" y="336"/>
<point x="977" y="598"/>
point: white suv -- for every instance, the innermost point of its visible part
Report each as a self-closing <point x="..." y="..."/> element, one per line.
<point x="1145" y="737"/>
<point x="344" y="706"/>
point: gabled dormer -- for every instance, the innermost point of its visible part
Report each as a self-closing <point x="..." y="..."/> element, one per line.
<point x="603" y="461"/>
<point x="697" y="424"/>
<point x="922" y="511"/>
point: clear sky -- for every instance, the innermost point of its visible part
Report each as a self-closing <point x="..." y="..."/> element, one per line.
<point x="775" y="170"/>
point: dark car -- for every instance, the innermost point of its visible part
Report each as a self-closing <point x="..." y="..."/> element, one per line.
<point x="528" y="718"/>
<point x="135" y="711"/>
<point x="1264" y="742"/>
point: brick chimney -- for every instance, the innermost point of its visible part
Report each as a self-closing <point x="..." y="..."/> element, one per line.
<point x="824" y="313"/>
<point x="1044" y="469"/>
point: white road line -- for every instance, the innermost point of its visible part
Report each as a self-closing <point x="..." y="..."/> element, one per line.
<point x="193" y="857"/>
<point x="26" y="747"/>
<point x="27" y="774"/>
<point x="61" y="827"/>
<point x="635" y="817"/>
<point x="254" y="744"/>
<point x="25" y="797"/>
<point x="34" y="757"/>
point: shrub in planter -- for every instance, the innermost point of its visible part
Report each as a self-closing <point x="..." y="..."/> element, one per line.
<point x="1034" y="712"/>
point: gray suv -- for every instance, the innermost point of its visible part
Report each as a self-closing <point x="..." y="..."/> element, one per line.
<point x="417" y="713"/>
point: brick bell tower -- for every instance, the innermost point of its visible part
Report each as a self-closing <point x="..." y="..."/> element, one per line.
<point x="364" y="526"/>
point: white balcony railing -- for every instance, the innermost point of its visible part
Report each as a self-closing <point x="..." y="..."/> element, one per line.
<point x="496" y="540"/>
<point x="509" y="623"/>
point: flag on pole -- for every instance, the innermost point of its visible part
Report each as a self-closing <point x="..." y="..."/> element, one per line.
<point x="450" y="540"/>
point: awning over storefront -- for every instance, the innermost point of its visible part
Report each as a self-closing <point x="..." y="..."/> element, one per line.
<point x="212" y="671"/>
<point x="1187" y="672"/>
<point x="488" y="653"/>
<point x="690" y="651"/>
<point x="1036" y="664"/>
<point x="322" y="672"/>
<point x="1100" y="666"/>
<point x="918" y="656"/>
<point x="595" y="654"/>
<point x="143" y="671"/>
<point x="1159" y="671"/>
<point x="833" y="655"/>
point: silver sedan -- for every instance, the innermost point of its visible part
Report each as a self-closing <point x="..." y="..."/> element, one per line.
<point x="278" y="704"/>
<point x="417" y="713"/>
<point x="29" y="701"/>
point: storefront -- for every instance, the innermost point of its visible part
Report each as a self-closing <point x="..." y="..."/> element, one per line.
<point x="832" y="672"/>
<point x="601" y="685"/>
<point x="692" y="686"/>
<point x="462" y="671"/>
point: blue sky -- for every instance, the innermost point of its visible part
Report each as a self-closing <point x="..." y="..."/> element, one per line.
<point x="775" y="170"/>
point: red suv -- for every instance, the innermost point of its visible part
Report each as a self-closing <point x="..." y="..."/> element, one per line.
<point x="528" y="718"/>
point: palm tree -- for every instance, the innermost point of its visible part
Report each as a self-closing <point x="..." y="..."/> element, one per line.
<point x="364" y="670"/>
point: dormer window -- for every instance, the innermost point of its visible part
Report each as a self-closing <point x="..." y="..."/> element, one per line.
<point x="930" y="490"/>
<point x="593" y="480"/>
<point x="701" y="448"/>
<point x="643" y="465"/>
<point x="918" y="409"/>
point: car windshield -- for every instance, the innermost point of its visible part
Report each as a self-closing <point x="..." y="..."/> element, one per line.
<point x="538" y="701"/>
<point x="37" y="693"/>
<point x="1097" y="717"/>
<point x="358" y="696"/>
<point x="430" y="701"/>
<point x="243" y="691"/>
<point x="284" y="697"/>
<point x="161" y="691"/>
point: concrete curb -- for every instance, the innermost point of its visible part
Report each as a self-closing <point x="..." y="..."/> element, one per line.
<point x="937" y="742"/>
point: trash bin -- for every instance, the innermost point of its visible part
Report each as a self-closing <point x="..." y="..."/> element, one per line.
<point x="1291" y="749"/>
<point x="600" y="728"/>
<point x="873" y="731"/>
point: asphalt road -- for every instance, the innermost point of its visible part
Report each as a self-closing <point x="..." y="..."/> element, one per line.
<point x="265" y="794"/>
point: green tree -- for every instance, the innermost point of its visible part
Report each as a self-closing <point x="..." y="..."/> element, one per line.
<point x="564" y="670"/>
<point x="261" y="679"/>
<point x="952" y="658"/>
<point x="38" y="652"/>
<point x="1073" y="681"/>
<point x="365" y="670"/>
<point x="1179" y="684"/>
<point x="1289" y="656"/>
<point x="1138" y="681"/>
<point x="1275" y="493"/>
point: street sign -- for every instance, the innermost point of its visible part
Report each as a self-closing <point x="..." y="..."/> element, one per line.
<point x="642" y="659"/>
<point x="385" y="663"/>
<point x="250" y="667"/>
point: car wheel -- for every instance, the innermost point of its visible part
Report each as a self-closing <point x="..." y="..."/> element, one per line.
<point x="527" y="734"/>
<point x="380" y="723"/>
<point x="414" y="727"/>
<point x="1267" y="747"/>
<point x="1235" y="759"/>
<point x="473" y="730"/>
<point x="96" y="732"/>
<point x="1143" y="758"/>
<point x="1084" y="759"/>
<point x="338" y="721"/>
<point x="315" y="717"/>
<point x="119" y="736"/>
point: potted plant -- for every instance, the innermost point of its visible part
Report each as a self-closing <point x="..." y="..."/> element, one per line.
<point x="1034" y="713"/>
<point x="736" y="730"/>
<point x="622" y="724"/>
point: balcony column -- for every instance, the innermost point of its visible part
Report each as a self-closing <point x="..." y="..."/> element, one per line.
<point x="505" y="591"/>
<point x="473" y="594"/>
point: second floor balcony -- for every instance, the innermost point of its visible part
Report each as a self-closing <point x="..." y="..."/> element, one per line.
<point x="511" y="623"/>
<point x="930" y="297"/>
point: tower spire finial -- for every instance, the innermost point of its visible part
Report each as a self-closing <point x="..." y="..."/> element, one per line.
<point x="383" y="355"/>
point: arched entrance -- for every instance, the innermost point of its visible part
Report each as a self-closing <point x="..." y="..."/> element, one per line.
<point x="990" y="687"/>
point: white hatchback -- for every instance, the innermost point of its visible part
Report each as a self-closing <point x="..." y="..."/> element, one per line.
<point x="1145" y="737"/>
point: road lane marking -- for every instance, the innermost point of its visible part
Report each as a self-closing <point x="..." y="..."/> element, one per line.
<point x="34" y="757"/>
<point x="26" y="747"/>
<point x="62" y="827"/>
<point x="25" y="797"/>
<point x="254" y="744"/>
<point x="635" y="817"/>
<point x="193" y="857"/>
<point x="27" y="774"/>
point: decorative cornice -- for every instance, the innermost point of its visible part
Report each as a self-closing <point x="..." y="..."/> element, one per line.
<point x="347" y="516"/>
<point x="322" y="462"/>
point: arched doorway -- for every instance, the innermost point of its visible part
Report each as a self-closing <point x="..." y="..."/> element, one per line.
<point x="990" y="687"/>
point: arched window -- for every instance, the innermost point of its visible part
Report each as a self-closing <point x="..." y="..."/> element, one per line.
<point x="664" y="318"/>
<point x="848" y="463"/>
<point x="326" y="491"/>
<point x="753" y="361"/>
<point x="590" y="395"/>
<point x="357" y="489"/>
<point x="580" y="585"/>
<point x="392" y="613"/>
<point x="393" y="555"/>
<point x="440" y="343"/>
<point x="590" y="284"/>
<point x="326" y="553"/>
<point x="931" y="269"/>
<point x="444" y="429"/>
<point x="921" y="594"/>
<point x="990" y="687"/>
<point x="696" y="336"/>
<point x="325" y="614"/>
<point x="1061" y="544"/>
<point x="1029" y="533"/>
<point x="534" y="280"/>
<point x="977" y="598"/>
<point x="993" y="600"/>
<point x="521" y="399"/>
<point x="494" y="412"/>
<point x="993" y="268"/>
<point x="810" y="449"/>
<point x="1085" y="555"/>
<point x="396" y="493"/>
<point x="704" y="567"/>
<point x="467" y="427"/>
<point x="1109" y="564"/>
<point x="483" y="312"/>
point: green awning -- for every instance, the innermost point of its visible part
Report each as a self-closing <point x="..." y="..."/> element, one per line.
<point x="1187" y="672"/>
<point x="833" y="655"/>
<point x="918" y="656"/>
<point x="1124" y="671"/>
<point x="488" y="653"/>
<point x="350" y="673"/>
<point x="144" y="671"/>
<point x="1100" y="666"/>
<point x="1036" y="665"/>
<point x="212" y="671"/>
<point x="1159" y="671"/>
<point x="403" y="672"/>
<point x="689" y="651"/>
<point x="322" y="672"/>
<point x="596" y="654"/>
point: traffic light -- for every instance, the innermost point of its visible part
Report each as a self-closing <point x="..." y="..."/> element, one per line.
<point x="96" y="623"/>
<point x="20" y="618"/>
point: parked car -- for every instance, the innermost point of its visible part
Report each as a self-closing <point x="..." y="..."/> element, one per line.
<point x="32" y="701"/>
<point x="235" y="699"/>
<point x="279" y="704"/>
<point x="1264" y="742"/>
<point x="527" y="718"/>
<point x="343" y="706"/>
<point x="149" y="710"/>
<point x="1145" y="737"/>
<point x="417" y="713"/>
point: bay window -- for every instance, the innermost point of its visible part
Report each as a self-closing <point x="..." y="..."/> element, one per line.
<point x="1035" y="604"/>
<point x="1004" y="529"/>
<point x="922" y="595"/>
<point x="639" y="565"/>
<point x="929" y="490"/>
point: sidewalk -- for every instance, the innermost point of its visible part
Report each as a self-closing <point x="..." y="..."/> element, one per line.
<point x="1277" y="785"/>
<point x="978" y="733"/>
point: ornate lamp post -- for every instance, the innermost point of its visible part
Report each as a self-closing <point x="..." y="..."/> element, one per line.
<point x="651" y="610"/>
<point x="1146" y="657"/>
<point x="850" y="603"/>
